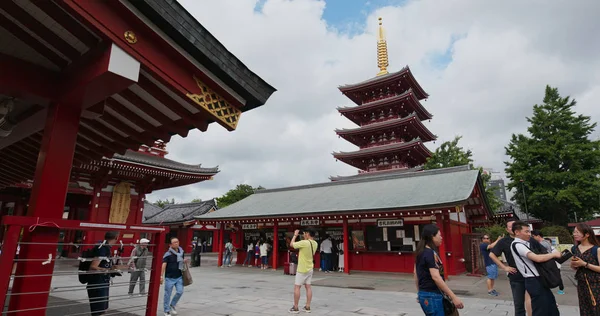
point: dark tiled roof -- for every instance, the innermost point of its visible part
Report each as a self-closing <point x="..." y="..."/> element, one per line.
<point x="375" y="79"/>
<point x="151" y="209"/>
<point x="382" y="148"/>
<point x="430" y="188"/>
<point x="180" y="213"/>
<point x="508" y="208"/>
<point x="197" y="41"/>
<point x="161" y="163"/>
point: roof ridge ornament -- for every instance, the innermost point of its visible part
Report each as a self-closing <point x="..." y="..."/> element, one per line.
<point x="382" y="53"/>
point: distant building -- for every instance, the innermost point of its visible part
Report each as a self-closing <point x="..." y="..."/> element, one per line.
<point x="500" y="191"/>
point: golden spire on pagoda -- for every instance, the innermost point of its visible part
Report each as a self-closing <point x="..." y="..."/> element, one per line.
<point x="382" y="53"/>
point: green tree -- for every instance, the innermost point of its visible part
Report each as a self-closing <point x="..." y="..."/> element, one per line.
<point x="162" y="203"/>
<point x="555" y="166"/>
<point x="240" y="192"/>
<point x="563" y="234"/>
<point x="196" y="201"/>
<point x="492" y="231"/>
<point x="450" y="154"/>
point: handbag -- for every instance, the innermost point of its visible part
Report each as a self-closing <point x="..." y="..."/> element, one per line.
<point x="449" y="308"/>
<point x="187" y="276"/>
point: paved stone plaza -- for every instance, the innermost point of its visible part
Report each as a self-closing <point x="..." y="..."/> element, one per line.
<point x="249" y="291"/>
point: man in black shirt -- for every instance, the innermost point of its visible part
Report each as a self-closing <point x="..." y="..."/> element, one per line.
<point x="173" y="263"/>
<point x="521" y="298"/>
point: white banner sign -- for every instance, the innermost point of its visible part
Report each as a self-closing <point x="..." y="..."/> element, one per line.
<point x="309" y="222"/>
<point x="389" y="222"/>
<point x="249" y="226"/>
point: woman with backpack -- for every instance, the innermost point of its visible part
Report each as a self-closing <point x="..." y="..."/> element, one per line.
<point x="429" y="274"/>
<point x="586" y="260"/>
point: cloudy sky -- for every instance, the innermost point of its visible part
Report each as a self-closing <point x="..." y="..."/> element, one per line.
<point x="484" y="65"/>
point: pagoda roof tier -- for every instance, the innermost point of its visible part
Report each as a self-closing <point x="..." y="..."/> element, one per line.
<point x="353" y="135"/>
<point x="375" y="174"/>
<point x="356" y="91"/>
<point x="178" y="213"/>
<point x="408" y="96"/>
<point x="360" y="158"/>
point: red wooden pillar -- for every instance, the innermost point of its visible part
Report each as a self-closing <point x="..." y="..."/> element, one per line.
<point x="346" y="248"/>
<point x="220" y="242"/>
<point x="93" y="212"/>
<point x="275" y="245"/>
<point x="439" y="218"/>
<point x="47" y="200"/>
<point x="19" y="207"/>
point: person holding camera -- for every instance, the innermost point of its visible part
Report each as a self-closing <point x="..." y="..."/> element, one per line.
<point x="99" y="280"/>
<point x="306" y="251"/>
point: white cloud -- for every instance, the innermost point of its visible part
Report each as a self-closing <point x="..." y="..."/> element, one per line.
<point x="502" y="56"/>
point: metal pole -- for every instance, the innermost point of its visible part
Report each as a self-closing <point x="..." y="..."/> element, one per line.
<point x="525" y="200"/>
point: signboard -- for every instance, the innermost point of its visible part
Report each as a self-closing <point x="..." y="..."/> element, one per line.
<point x="596" y="231"/>
<point x="309" y="222"/>
<point x="390" y="222"/>
<point x="249" y="226"/>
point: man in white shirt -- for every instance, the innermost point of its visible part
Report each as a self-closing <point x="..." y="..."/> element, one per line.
<point x="326" y="247"/>
<point x="543" y="302"/>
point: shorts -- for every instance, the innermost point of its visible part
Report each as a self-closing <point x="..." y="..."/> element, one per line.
<point x="492" y="271"/>
<point x="303" y="278"/>
<point x="264" y="259"/>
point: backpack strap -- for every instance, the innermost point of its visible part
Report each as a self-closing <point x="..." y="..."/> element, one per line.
<point x="514" y="248"/>
<point x="573" y="249"/>
<point x="595" y="253"/>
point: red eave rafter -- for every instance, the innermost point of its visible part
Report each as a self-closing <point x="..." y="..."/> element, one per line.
<point x="113" y="19"/>
<point x="383" y="80"/>
<point x="364" y="153"/>
<point x="411" y="122"/>
<point x="408" y="96"/>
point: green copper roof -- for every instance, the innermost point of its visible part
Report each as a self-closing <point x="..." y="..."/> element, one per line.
<point x="440" y="187"/>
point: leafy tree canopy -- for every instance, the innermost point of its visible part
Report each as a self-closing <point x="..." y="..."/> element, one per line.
<point x="196" y="201"/>
<point x="240" y="192"/>
<point x="163" y="203"/>
<point x="556" y="164"/>
<point x="450" y="154"/>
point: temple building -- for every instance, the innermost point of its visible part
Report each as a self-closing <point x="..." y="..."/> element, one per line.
<point x="378" y="214"/>
<point x="181" y="220"/>
<point x="90" y="91"/>
<point x="389" y="114"/>
<point x="97" y="188"/>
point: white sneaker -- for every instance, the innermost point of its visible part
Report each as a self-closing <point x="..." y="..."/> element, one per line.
<point x="173" y="310"/>
<point x="167" y="314"/>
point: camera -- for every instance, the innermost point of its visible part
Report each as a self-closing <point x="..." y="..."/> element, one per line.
<point x="565" y="255"/>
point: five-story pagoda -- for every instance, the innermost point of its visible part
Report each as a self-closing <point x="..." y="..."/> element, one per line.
<point x="389" y="115"/>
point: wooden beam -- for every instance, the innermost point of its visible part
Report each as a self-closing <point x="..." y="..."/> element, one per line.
<point x="116" y="137"/>
<point x="67" y="22"/>
<point x="153" y="112"/>
<point x="103" y="142"/>
<point x="137" y="120"/>
<point x="142" y="138"/>
<point x="32" y="42"/>
<point x="35" y="26"/>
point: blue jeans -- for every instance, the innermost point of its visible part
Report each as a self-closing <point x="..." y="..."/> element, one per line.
<point x="431" y="303"/>
<point x="98" y="295"/>
<point x="169" y="283"/>
<point x="227" y="259"/>
<point x="518" y="293"/>
<point x="249" y="257"/>
<point x="327" y="262"/>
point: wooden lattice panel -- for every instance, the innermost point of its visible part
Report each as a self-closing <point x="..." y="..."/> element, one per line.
<point x="216" y="105"/>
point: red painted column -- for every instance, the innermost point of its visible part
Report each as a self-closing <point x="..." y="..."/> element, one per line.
<point x="47" y="200"/>
<point x="93" y="213"/>
<point x="346" y="248"/>
<point x="275" y="245"/>
<point x="442" y="251"/>
<point x="220" y="242"/>
<point x="19" y="207"/>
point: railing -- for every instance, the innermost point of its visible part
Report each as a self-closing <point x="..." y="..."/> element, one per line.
<point x="66" y="295"/>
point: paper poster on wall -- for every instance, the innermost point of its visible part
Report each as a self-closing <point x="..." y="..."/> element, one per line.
<point x="385" y="234"/>
<point x="400" y="233"/>
<point x="409" y="241"/>
<point x="358" y="240"/>
<point x="417" y="233"/>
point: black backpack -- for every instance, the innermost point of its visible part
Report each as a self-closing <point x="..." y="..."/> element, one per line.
<point x="85" y="261"/>
<point x="548" y="271"/>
